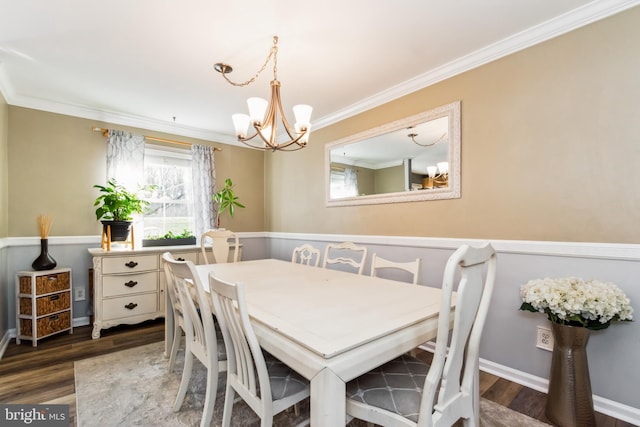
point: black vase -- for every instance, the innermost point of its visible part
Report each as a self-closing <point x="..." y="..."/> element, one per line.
<point x="44" y="261"/>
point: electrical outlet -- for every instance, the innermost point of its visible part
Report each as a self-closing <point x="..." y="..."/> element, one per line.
<point x="544" y="339"/>
<point x="79" y="294"/>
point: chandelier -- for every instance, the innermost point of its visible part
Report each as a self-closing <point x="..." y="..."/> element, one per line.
<point x="413" y="135"/>
<point x="437" y="176"/>
<point x="263" y="115"/>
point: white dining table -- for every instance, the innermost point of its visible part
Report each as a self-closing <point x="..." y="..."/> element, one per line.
<point x="330" y="326"/>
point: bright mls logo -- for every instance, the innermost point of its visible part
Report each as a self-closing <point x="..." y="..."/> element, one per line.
<point x="34" y="415"/>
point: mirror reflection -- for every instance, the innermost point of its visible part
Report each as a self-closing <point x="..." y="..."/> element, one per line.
<point x="415" y="158"/>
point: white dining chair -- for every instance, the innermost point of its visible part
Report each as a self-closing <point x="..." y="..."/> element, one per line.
<point x="378" y="263"/>
<point x="408" y="392"/>
<point x="336" y="253"/>
<point x="202" y="341"/>
<point x="267" y="385"/>
<point x="220" y="246"/>
<point x="176" y="307"/>
<point x="306" y="254"/>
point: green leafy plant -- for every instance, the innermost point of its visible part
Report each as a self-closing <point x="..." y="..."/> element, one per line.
<point x="186" y="234"/>
<point x="116" y="203"/>
<point x="226" y="200"/>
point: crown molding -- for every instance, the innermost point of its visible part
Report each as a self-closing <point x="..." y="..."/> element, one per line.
<point x="580" y="17"/>
<point x="117" y="118"/>
<point x="587" y="14"/>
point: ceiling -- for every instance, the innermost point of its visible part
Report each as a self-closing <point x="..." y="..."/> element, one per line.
<point x="149" y="63"/>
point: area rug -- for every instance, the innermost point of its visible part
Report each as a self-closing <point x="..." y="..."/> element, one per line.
<point x="135" y="388"/>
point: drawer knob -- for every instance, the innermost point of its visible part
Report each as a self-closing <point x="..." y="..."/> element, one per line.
<point x="54" y="297"/>
<point x="130" y="284"/>
<point x="131" y="306"/>
<point x="131" y="264"/>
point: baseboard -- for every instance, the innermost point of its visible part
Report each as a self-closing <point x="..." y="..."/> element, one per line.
<point x="81" y="321"/>
<point x="600" y="404"/>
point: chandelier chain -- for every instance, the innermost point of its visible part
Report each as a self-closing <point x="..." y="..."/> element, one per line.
<point x="273" y="53"/>
<point x="413" y="135"/>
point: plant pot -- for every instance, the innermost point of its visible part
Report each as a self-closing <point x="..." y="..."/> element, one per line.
<point x="169" y="242"/>
<point x="119" y="229"/>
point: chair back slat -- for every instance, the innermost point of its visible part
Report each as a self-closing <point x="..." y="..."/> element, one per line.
<point x="306" y="254"/>
<point x="220" y="246"/>
<point x="200" y="332"/>
<point x="453" y="376"/>
<point x="247" y="361"/>
<point x="343" y="249"/>
<point x="199" y="329"/>
<point x="173" y="294"/>
<point x="412" y="267"/>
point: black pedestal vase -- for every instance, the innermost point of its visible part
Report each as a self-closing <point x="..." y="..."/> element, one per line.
<point x="44" y="261"/>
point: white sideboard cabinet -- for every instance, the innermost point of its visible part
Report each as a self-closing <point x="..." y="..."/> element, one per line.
<point x="129" y="285"/>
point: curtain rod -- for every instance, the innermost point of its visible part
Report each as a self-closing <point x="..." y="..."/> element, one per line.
<point x="105" y="133"/>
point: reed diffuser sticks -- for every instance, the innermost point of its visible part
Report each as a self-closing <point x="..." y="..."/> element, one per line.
<point x="44" y="224"/>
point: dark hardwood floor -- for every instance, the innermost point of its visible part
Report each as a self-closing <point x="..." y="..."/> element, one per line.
<point x="45" y="374"/>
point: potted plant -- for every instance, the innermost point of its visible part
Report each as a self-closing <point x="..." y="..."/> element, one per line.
<point x="171" y="239"/>
<point x="574" y="307"/>
<point x="116" y="206"/>
<point x="226" y="200"/>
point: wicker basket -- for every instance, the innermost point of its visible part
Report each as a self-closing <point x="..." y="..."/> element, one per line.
<point x="47" y="325"/>
<point x="46" y="304"/>
<point x="45" y="284"/>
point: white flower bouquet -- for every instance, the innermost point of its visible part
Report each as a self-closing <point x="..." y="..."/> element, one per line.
<point x="577" y="302"/>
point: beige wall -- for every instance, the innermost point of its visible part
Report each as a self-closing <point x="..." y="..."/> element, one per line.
<point x="4" y="164"/>
<point x="550" y="149"/>
<point x="55" y="160"/>
<point x="390" y="180"/>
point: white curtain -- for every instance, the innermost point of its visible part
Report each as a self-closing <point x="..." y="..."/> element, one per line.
<point x="125" y="159"/>
<point x="350" y="182"/>
<point x="204" y="183"/>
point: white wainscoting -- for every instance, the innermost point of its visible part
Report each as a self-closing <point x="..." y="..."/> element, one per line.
<point x="508" y="348"/>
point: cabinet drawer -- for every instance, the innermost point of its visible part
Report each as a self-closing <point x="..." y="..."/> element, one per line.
<point x="46" y="325"/>
<point x="46" y="304"/>
<point x="135" y="305"/>
<point x="186" y="256"/>
<point x="129" y="284"/>
<point x="128" y="264"/>
<point x="45" y="283"/>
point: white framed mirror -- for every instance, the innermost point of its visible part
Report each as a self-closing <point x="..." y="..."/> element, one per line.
<point x="412" y="159"/>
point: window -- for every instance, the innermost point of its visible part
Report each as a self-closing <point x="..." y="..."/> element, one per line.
<point x="344" y="183"/>
<point x="171" y="203"/>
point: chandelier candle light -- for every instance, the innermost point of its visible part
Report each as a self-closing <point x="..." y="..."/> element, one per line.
<point x="263" y="115"/>
<point x="437" y="176"/>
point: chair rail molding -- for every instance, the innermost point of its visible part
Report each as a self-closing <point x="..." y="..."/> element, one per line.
<point x="623" y="251"/>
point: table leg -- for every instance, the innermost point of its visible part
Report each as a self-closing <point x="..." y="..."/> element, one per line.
<point x="328" y="400"/>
